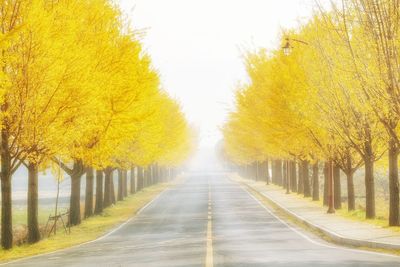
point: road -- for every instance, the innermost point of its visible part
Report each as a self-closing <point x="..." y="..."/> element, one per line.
<point x="208" y="219"/>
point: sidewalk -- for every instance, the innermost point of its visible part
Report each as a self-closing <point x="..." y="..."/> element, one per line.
<point x="340" y="230"/>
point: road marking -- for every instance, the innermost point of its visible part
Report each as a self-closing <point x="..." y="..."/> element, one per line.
<point x="310" y="239"/>
<point x="91" y="241"/>
<point x="209" y="254"/>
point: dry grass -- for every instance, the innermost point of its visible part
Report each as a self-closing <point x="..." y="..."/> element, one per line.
<point x="359" y="215"/>
<point x="297" y="223"/>
<point x="90" y="228"/>
<point x="382" y="212"/>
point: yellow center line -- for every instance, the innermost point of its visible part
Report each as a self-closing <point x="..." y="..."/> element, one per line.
<point x="209" y="254"/>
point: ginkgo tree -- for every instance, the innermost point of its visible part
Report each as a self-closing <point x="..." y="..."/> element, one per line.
<point x="79" y="91"/>
<point x="332" y="98"/>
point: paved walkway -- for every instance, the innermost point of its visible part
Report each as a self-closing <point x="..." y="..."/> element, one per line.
<point x="341" y="229"/>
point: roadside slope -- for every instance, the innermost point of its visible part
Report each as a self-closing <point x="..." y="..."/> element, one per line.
<point x="91" y="228"/>
<point x="331" y="227"/>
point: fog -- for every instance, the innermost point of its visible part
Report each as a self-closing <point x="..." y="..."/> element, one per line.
<point x="197" y="47"/>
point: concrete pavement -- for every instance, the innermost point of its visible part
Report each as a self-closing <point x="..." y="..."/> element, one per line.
<point x="339" y="229"/>
<point x="206" y="216"/>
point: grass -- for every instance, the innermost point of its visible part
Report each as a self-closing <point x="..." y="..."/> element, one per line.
<point x="294" y="221"/>
<point x="381" y="219"/>
<point x="359" y="215"/>
<point x="20" y="215"/>
<point x="382" y="213"/>
<point x="90" y="228"/>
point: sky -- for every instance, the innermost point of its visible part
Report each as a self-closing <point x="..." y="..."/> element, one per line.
<point x="197" y="47"/>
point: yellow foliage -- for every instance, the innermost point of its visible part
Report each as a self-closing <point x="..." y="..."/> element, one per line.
<point x="77" y="85"/>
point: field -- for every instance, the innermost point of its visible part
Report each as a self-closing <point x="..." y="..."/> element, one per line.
<point x="89" y="229"/>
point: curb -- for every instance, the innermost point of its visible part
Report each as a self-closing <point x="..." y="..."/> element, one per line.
<point x="104" y="235"/>
<point x="336" y="238"/>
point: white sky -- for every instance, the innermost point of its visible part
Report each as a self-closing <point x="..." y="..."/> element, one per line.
<point x="195" y="45"/>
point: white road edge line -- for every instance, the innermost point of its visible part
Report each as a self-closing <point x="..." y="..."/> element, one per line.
<point x="209" y="236"/>
<point x="311" y="240"/>
<point x="91" y="241"/>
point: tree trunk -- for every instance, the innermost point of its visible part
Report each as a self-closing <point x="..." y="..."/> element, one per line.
<point x="315" y="183"/>
<point x="369" y="188"/>
<point x="306" y="179"/>
<point x="337" y="187"/>
<point x="394" y="219"/>
<point x="300" y="184"/>
<point x="125" y="175"/>
<point x="6" y="192"/>
<point x="151" y="175"/>
<point x="331" y="189"/>
<point x="107" y="188"/>
<point x="293" y="178"/>
<point x="75" y="200"/>
<point x="263" y="171"/>
<point x="150" y="169"/>
<point x="288" y="179"/>
<point x="273" y="172"/>
<point x="140" y="178"/>
<point x="99" y="192"/>
<point x="351" y="203"/>
<point x="267" y="171"/>
<point x="253" y="171"/>
<point x="120" y="185"/>
<point x="112" y="190"/>
<point x="279" y="176"/>
<point x="159" y="174"/>
<point x="123" y="184"/>
<point x="33" y="223"/>
<point x="146" y="176"/>
<point x="156" y="173"/>
<point x="162" y="171"/>
<point x="168" y="174"/>
<point x="284" y="174"/>
<point x="133" y="180"/>
<point x="257" y="171"/>
<point x="89" y="193"/>
<point x="326" y="186"/>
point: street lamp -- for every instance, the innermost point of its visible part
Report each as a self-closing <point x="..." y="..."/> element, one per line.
<point x="287" y="48"/>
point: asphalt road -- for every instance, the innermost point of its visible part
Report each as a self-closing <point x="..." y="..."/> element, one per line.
<point x="173" y="230"/>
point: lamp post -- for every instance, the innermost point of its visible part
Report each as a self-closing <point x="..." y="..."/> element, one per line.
<point x="287" y="50"/>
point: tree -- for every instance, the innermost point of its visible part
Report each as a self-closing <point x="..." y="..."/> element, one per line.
<point x="77" y="89"/>
<point x="99" y="192"/>
<point x="89" y="192"/>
